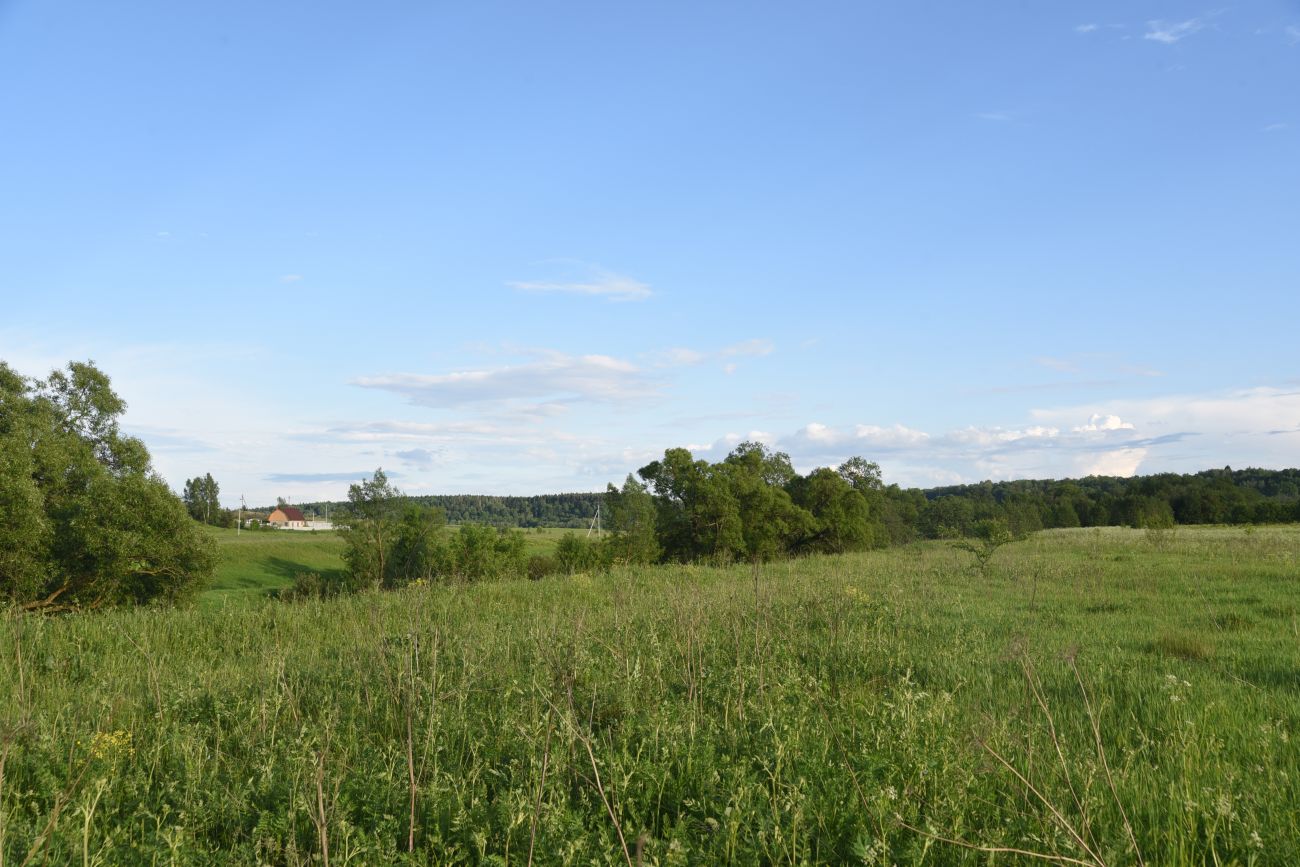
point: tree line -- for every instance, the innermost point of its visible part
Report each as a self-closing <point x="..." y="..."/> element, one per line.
<point x="1226" y="496"/>
<point x="573" y="511"/>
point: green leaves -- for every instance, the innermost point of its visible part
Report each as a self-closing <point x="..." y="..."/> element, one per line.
<point x="201" y="498"/>
<point x="754" y="506"/>
<point x="84" y="522"/>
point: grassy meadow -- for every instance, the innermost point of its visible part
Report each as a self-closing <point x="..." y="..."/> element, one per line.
<point x="1098" y="697"/>
<point x="254" y="564"/>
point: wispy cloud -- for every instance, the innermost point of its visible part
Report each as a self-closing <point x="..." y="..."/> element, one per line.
<point x="422" y="458"/>
<point x="1063" y="385"/>
<point x="309" y="478"/>
<point x="1276" y="127"/>
<point x="1086" y="28"/>
<point x="553" y="378"/>
<point x="994" y="116"/>
<point x="755" y="347"/>
<point x="1088" y="370"/>
<point x="1292" y="33"/>
<point x="680" y="356"/>
<point x="290" y="278"/>
<point x="596" y="281"/>
<point x="1060" y="364"/>
<point x="874" y="437"/>
<point x="1167" y="32"/>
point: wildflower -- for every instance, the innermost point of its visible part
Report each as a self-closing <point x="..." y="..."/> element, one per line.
<point x="107" y="746"/>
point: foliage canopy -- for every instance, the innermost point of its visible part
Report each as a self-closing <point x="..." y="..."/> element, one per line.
<point x="86" y="522"/>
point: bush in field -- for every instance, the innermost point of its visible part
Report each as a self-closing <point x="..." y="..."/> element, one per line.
<point x="476" y="552"/>
<point x="419" y="548"/>
<point x="312" y="585"/>
<point x="85" y="521"/>
<point x="540" y="566"/>
<point x="574" y="553"/>
<point x="1158" y="525"/>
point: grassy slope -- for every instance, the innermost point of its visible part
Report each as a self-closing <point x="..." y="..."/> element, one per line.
<point x="251" y="564"/>
<point x="862" y="695"/>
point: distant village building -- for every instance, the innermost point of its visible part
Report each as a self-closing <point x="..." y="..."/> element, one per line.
<point x="287" y="518"/>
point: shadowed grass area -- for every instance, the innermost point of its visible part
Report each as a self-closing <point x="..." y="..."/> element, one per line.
<point x="253" y="564"/>
<point x="882" y="708"/>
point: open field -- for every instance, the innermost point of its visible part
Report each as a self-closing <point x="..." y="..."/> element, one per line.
<point x="252" y="564"/>
<point x="1099" y="694"/>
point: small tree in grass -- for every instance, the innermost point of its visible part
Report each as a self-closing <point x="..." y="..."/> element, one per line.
<point x="369" y="528"/>
<point x="986" y="538"/>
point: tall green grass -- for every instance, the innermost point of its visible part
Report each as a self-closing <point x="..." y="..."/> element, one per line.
<point x="1094" y="697"/>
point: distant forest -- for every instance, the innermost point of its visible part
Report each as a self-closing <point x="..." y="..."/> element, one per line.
<point x="1226" y="496"/>
<point x="544" y="510"/>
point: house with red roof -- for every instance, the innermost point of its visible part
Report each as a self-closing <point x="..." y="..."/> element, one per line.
<point x="287" y="518"/>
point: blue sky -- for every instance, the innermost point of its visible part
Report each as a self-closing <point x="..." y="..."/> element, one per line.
<point x="524" y="247"/>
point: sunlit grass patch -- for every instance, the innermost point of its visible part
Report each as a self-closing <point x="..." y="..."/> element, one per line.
<point x="1183" y="645"/>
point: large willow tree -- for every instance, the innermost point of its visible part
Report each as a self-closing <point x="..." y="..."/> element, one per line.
<point x="85" y="521"/>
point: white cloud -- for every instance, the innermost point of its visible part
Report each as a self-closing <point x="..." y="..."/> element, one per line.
<point x="1276" y="127"/>
<point x="405" y="431"/>
<point x="290" y="278"/>
<point x="554" y="379"/>
<point x="1121" y="462"/>
<point x="1177" y="433"/>
<point x="991" y="436"/>
<point x="819" y="433"/>
<point x="1170" y="32"/>
<point x="598" y="282"/>
<point x="994" y="116"/>
<point x="1086" y="28"/>
<point x="422" y="458"/>
<point x="1099" y="422"/>
<point x="1293" y="34"/>
<point x="863" y="435"/>
<point x="896" y="435"/>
